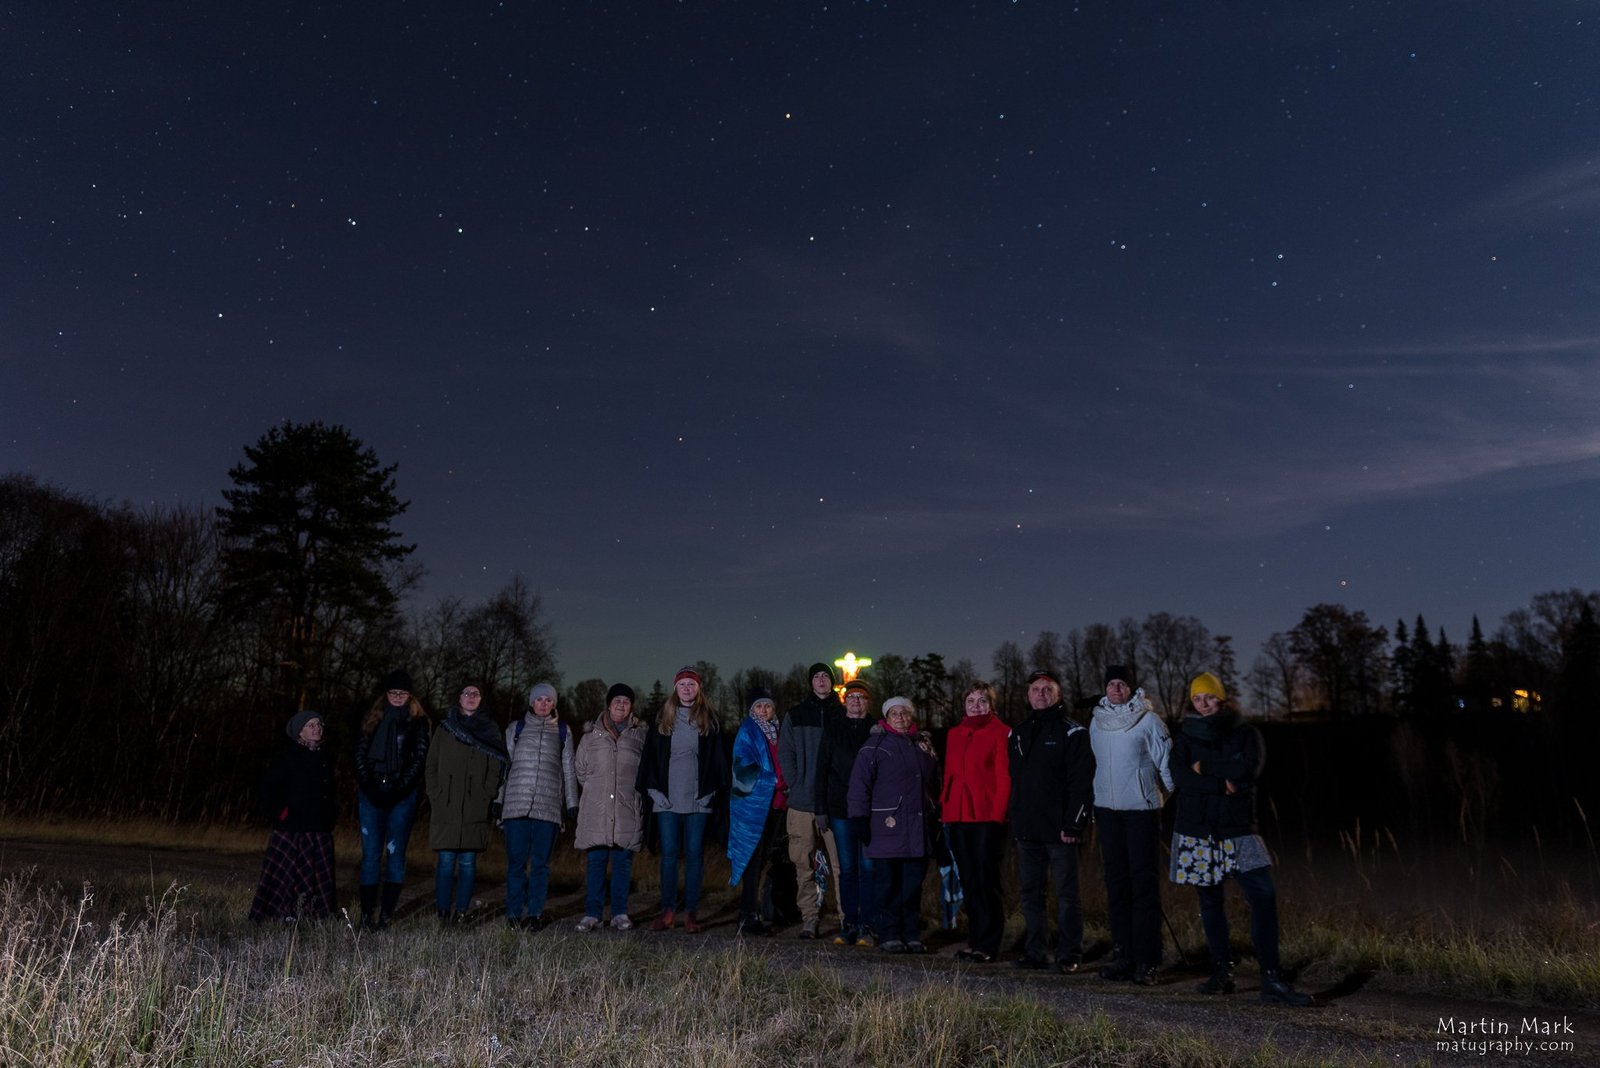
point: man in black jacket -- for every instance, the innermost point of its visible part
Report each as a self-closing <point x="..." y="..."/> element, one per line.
<point x="1052" y="791"/>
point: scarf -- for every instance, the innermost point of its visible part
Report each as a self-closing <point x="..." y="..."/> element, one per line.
<point x="1211" y="728"/>
<point x="769" y="729"/>
<point x="909" y="732"/>
<point x="381" y="745"/>
<point x="1112" y="717"/>
<point x="476" y="732"/>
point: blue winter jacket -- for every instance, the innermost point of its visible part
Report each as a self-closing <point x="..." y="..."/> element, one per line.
<point x="755" y="780"/>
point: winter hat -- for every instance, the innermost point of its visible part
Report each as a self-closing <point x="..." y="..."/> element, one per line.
<point x="620" y="689"/>
<point x="1120" y="671"/>
<point x="858" y="686"/>
<point x="895" y="702"/>
<point x="757" y="693"/>
<point x="298" y="721"/>
<point x="820" y="668"/>
<point x="1037" y="675"/>
<point x="685" y="672"/>
<point x="398" y="679"/>
<point x="541" y="689"/>
<point x="1205" y="682"/>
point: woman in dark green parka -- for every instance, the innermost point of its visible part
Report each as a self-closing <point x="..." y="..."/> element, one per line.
<point x="465" y="763"/>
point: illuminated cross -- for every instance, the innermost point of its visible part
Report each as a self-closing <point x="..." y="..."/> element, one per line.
<point x="850" y="666"/>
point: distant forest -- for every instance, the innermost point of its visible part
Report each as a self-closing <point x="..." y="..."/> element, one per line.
<point x="149" y="657"/>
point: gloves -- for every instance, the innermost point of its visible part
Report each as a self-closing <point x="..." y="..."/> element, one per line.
<point x="572" y="814"/>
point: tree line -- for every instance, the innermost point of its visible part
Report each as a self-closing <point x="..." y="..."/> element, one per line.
<point x="149" y="656"/>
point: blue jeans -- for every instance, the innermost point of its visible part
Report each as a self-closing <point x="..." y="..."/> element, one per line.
<point x="384" y="834"/>
<point x="1262" y="897"/>
<point x="855" y="874"/>
<point x="529" y="844"/>
<point x="682" y="834"/>
<point x="458" y="871"/>
<point x="620" y="861"/>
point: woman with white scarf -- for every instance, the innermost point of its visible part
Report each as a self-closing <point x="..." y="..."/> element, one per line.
<point x="1131" y="747"/>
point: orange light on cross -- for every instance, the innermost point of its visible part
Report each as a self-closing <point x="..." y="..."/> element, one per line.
<point x="850" y="666"/>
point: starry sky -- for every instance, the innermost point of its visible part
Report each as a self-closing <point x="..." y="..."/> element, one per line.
<point x="757" y="332"/>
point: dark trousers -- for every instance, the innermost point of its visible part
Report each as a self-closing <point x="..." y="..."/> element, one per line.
<point x="1059" y="862"/>
<point x="1128" y="846"/>
<point x="977" y="848"/>
<point x="897" y="886"/>
<point x="1262" y="897"/>
<point x="750" y="879"/>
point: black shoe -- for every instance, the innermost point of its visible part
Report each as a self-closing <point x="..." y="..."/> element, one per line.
<point x="1145" y="975"/>
<point x="1068" y="967"/>
<point x="1032" y="964"/>
<point x="1276" y="990"/>
<point x="1118" y="971"/>
<point x="915" y="946"/>
<point x="752" y="926"/>
<point x="1221" y="981"/>
<point x="894" y="945"/>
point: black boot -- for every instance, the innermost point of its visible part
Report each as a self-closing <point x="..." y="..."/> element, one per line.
<point x="391" y="898"/>
<point x="1120" y="969"/>
<point x="1276" y="990"/>
<point x="1221" y="981"/>
<point x="369" y="907"/>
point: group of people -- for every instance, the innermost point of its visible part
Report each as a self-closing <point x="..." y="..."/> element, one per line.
<point x="839" y="799"/>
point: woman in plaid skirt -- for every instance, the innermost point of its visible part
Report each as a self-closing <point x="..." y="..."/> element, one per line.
<point x="297" y="796"/>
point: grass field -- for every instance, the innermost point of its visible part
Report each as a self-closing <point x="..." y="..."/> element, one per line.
<point x="138" y="970"/>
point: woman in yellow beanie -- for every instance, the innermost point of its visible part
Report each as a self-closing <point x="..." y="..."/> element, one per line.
<point x="1216" y="761"/>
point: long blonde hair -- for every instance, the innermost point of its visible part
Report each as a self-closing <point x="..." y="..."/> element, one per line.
<point x="701" y="714"/>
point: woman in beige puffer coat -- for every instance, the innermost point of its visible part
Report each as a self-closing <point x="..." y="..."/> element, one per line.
<point x="610" y="810"/>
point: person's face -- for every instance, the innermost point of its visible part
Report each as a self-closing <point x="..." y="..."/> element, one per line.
<point x="688" y="690"/>
<point x="900" y="717"/>
<point x="399" y="698"/>
<point x="471" y="697"/>
<point x="765" y="711"/>
<point x="977" y="703"/>
<point x="1118" y="692"/>
<point x="544" y="705"/>
<point x="1206" y="703"/>
<point x="311" y="733"/>
<point x="822" y="684"/>
<point x="1042" y="693"/>
<point x="855" y="704"/>
<point x="620" y="708"/>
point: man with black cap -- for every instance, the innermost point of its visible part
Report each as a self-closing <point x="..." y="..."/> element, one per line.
<point x="799" y="745"/>
<point x="1052" y="789"/>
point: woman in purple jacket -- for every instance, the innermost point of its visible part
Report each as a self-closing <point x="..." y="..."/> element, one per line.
<point x="894" y="788"/>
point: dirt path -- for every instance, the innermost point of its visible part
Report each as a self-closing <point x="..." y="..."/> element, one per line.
<point x="1359" y="1019"/>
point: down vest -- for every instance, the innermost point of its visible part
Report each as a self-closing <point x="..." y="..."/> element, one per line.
<point x="541" y="782"/>
<point x="610" y="809"/>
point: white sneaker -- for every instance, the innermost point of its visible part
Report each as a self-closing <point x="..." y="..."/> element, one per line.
<point x="622" y="923"/>
<point x="588" y="923"/>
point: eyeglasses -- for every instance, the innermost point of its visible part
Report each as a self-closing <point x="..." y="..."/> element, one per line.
<point x="471" y="693"/>
<point x="399" y="693"/>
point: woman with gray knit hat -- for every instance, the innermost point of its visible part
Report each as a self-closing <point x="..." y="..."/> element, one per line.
<point x="541" y="788"/>
<point x="1131" y="747"/>
<point x="610" y="810"/>
<point x="465" y="763"/>
<point x="297" y="797"/>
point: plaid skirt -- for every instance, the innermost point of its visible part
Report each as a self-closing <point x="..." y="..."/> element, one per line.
<point x="1207" y="861"/>
<point x="296" y="877"/>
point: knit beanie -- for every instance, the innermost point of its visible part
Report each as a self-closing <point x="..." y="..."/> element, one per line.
<point x="1205" y="682"/>
<point x="298" y="721"/>
<point x="858" y="686"/>
<point x="686" y="672"/>
<point x="541" y="689"/>
<point x="757" y="693"/>
<point x="620" y="689"/>
<point x="1119" y="671"/>
<point x="820" y="668"/>
<point x="895" y="702"/>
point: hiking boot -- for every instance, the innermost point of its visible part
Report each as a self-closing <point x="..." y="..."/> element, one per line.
<point x="1221" y="981"/>
<point x="1120" y="970"/>
<point x="845" y="937"/>
<point x="1276" y="990"/>
<point x="1145" y="975"/>
<point x="808" y="930"/>
<point x="664" y="921"/>
<point x="864" y="936"/>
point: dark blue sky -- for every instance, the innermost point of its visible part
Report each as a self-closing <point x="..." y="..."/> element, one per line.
<point x="758" y="332"/>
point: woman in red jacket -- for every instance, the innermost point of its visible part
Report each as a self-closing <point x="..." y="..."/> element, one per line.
<point x="977" y="784"/>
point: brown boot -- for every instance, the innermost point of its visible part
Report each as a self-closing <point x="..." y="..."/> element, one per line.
<point x="663" y="922"/>
<point x="691" y="923"/>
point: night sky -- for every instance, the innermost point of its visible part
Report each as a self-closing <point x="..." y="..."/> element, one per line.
<point x="756" y="332"/>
